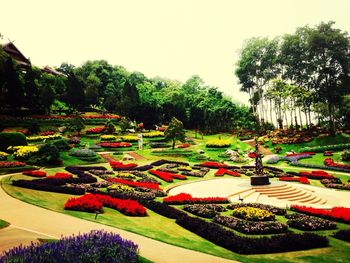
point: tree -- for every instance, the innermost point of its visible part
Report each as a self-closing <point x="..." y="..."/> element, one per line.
<point x="75" y="91"/>
<point x="175" y="131"/>
<point x="330" y="52"/>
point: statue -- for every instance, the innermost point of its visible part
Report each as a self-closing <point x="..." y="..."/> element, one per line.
<point x="259" y="178"/>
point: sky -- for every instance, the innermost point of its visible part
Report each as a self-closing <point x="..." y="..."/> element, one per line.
<point x="173" y="39"/>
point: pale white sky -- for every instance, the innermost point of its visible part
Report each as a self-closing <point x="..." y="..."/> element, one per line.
<point x="173" y="39"/>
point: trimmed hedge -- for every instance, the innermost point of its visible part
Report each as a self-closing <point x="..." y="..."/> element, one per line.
<point x="342" y="235"/>
<point x="11" y="139"/>
<point x="334" y="147"/>
<point x="245" y="245"/>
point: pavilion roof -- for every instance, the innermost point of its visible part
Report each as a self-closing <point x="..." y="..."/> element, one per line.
<point x="16" y="54"/>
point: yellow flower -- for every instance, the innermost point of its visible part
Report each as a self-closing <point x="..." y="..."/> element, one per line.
<point x="23" y="152"/>
<point x="153" y="134"/>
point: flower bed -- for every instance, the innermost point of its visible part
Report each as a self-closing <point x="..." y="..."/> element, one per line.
<point x="223" y="171"/>
<point x="253" y="214"/>
<point x="129" y="138"/>
<point x="246" y="245"/>
<point x="184" y="145"/>
<point x="23" y="152"/>
<point x="302" y="180"/>
<point x="95" y="202"/>
<point x="316" y="175"/>
<point x="60" y="176"/>
<point x="251" y="228"/>
<point x="213" y="165"/>
<point x="298" y="154"/>
<point x="108" y="138"/>
<point x="309" y="223"/>
<point x="3" y="156"/>
<point x="330" y="162"/>
<point x="115" y="144"/>
<point x="95" y="130"/>
<point x="168" y="177"/>
<point x="340" y="214"/>
<point x="273" y="209"/>
<point x="153" y="134"/>
<point x="35" y="173"/>
<point x="206" y="210"/>
<point x="96" y="246"/>
<point x="294" y="160"/>
<point x="217" y="143"/>
<point x="11" y="164"/>
<point x="83" y="154"/>
<point x="42" y="138"/>
<point x="135" y="184"/>
<point x="121" y="166"/>
<point x="183" y="198"/>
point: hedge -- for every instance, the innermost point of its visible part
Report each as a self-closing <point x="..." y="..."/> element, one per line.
<point x="334" y="147"/>
<point x="246" y="245"/>
<point x="11" y="139"/>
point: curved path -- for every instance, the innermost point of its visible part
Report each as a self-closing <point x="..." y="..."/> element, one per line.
<point x="29" y="222"/>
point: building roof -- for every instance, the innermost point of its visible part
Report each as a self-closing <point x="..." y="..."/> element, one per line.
<point x="52" y="71"/>
<point x="17" y="55"/>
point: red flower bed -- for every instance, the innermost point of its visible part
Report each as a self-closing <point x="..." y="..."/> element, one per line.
<point x="96" y="130"/>
<point x="11" y="164"/>
<point x="336" y="213"/>
<point x="330" y="162"/>
<point x="127" y="207"/>
<point x="60" y="176"/>
<point x="86" y="203"/>
<point x="184" y="145"/>
<point x="95" y="202"/>
<point x="317" y="175"/>
<point x="162" y="128"/>
<point x="302" y="180"/>
<point x="223" y="171"/>
<point x="35" y="173"/>
<point x="153" y="186"/>
<point x="46" y="133"/>
<point x="213" y="164"/>
<point x="184" y="198"/>
<point x="120" y="165"/>
<point x="115" y="144"/>
<point x="302" y="153"/>
<point x="252" y="155"/>
<point x="168" y="177"/>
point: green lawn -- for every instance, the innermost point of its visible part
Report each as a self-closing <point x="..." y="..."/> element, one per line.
<point x="3" y="224"/>
<point x="166" y="230"/>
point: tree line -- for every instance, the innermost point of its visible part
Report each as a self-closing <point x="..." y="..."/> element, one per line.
<point x="97" y="85"/>
<point x="297" y="79"/>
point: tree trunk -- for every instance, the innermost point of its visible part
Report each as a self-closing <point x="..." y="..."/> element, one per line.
<point x="173" y="144"/>
<point x="331" y="120"/>
<point x="301" y="122"/>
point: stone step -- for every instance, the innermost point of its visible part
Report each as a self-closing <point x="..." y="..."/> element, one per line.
<point x="287" y="192"/>
<point x="301" y="197"/>
<point x="293" y="197"/>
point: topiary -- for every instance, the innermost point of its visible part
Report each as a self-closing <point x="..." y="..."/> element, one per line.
<point x="62" y="145"/>
<point x="11" y="139"/>
<point x="48" y="154"/>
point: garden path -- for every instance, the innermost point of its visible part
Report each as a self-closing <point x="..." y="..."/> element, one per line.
<point x="263" y="150"/>
<point x="29" y="222"/>
<point x="136" y="156"/>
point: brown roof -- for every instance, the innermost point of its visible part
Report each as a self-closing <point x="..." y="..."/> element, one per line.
<point x="17" y="55"/>
<point x="52" y="71"/>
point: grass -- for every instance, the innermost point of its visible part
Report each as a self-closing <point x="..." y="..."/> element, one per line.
<point x="3" y="224"/>
<point x="166" y="230"/>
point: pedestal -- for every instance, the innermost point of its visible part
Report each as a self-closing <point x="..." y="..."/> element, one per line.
<point x="259" y="180"/>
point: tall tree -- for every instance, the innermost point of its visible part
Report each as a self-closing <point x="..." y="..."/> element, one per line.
<point x="175" y="131"/>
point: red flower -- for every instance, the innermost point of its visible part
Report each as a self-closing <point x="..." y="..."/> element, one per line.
<point x="184" y="145"/>
<point x="223" y="171"/>
<point x="60" y="176"/>
<point x="184" y="198"/>
<point x="330" y="162"/>
<point x="11" y="164"/>
<point x="168" y="177"/>
<point x="135" y="184"/>
<point x="96" y="130"/>
<point x="120" y="165"/>
<point x="115" y="144"/>
<point x="213" y="164"/>
<point x="302" y="180"/>
<point x="35" y="173"/>
<point x="336" y="213"/>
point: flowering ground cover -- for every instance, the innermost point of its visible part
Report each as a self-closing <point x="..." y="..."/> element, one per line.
<point x="302" y="180"/>
<point x="341" y="214"/>
<point x="168" y="177"/>
<point x="223" y="171"/>
<point x="96" y="246"/>
<point x="35" y="173"/>
<point x="184" y="198"/>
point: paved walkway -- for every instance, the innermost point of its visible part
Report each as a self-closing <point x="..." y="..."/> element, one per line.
<point x="29" y="222"/>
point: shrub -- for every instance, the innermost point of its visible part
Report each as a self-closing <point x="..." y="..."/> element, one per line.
<point x="3" y="156"/>
<point x="82" y="153"/>
<point x="207" y="210"/>
<point x="253" y="214"/>
<point x="309" y="223"/>
<point x="163" y="209"/>
<point x="43" y="138"/>
<point x="342" y="235"/>
<point x="96" y="246"/>
<point x="345" y="156"/>
<point x="48" y="154"/>
<point x="251" y="228"/>
<point x="153" y="134"/>
<point x="217" y="143"/>
<point x="62" y="145"/>
<point x="246" y="245"/>
<point x="335" y="147"/>
<point x="11" y="139"/>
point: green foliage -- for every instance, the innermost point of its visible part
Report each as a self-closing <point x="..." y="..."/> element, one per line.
<point x="345" y="156"/>
<point x="11" y="139"/>
<point x="76" y="124"/>
<point x="109" y="127"/>
<point x="175" y="131"/>
<point x="47" y="154"/>
<point x="62" y="145"/>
